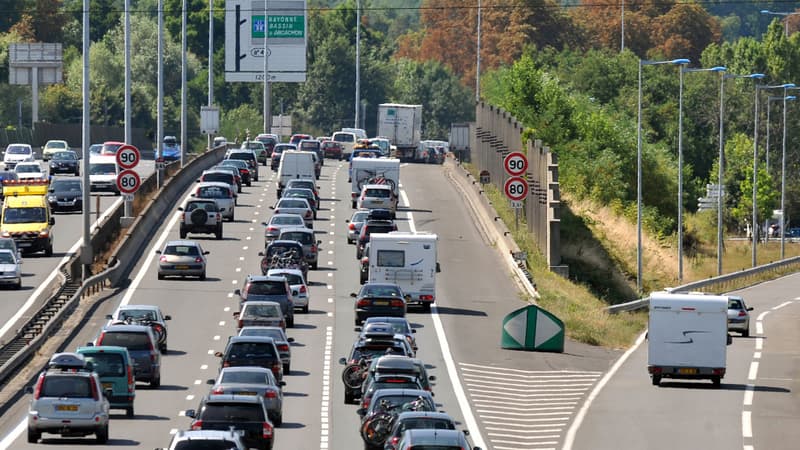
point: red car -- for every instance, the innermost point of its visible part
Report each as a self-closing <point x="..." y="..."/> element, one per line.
<point x="296" y="138"/>
<point x="332" y="149"/>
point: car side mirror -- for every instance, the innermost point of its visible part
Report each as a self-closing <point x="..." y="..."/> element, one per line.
<point x="347" y="221"/>
<point x="272" y="207"/>
<point x="343" y="361"/>
<point x="353" y="294"/>
<point x="357" y="329"/>
<point x="260" y="253"/>
<point x="211" y="381"/>
<point x="750" y="308"/>
<point x="281" y="383"/>
<point x="361" y="411"/>
<point x="264" y="223"/>
<point x="109" y="316"/>
<point x="167" y="317"/>
<point x="90" y="344"/>
<point x="192" y="195"/>
<point x="52" y="221"/>
<point x="438" y="267"/>
<point x="432" y="378"/>
<point x="236" y="314"/>
<point x="218" y="354"/>
<point x="237" y="292"/>
<point x="291" y="339"/>
<point x="158" y="252"/>
<point x="413" y="331"/>
<point x="51" y="190"/>
<point x="29" y="389"/>
<point x="190" y="413"/>
<point x="180" y="208"/>
<point x="206" y="252"/>
<point x="107" y="393"/>
<point x="319" y="242"/>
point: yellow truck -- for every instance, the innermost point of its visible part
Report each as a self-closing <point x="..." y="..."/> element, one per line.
<point x="26" y="216"/>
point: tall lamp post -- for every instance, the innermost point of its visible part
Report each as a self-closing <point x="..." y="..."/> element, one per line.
<point x="785" y="16"/>
<point x="770" y="99"/>
<point x="783" y="174"/>
<point x="639" y="166"/>
<point x="358" y="60"/>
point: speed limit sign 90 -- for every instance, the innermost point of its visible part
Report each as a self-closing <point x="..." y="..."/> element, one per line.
<point x="516" y="188"/>
<point x="128" y="181"/>
<point x="515" y="163"/>
<point x="128" y="156"/>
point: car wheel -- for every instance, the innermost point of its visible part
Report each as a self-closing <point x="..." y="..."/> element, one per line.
<point x="233" y="213"/>
<point x="49" y="250"/>
<point x="77" y="173"/>
<point x="314" y="265"/>
<point x="249" y="183"/>
<point x="218" y="233"/>
<point x="287" y="369"/>
<point x="102" y="434"/>
<point x="305" y="309"/>
<point x="656" y="380"/>
<point x="163" y="348"/>
<point x="160" y="276"/>
<point x="746" y="332"/>
<point x="18" y="286"/>
<point x="353" y="205"/>
<point x="129" y="411"/>
<point x="716" y="380"/>
<point x="183" y="233"/>
<point x="350" y="241"/>
<point x="348" y="398"/>
<point x="290" y="322"/>
<point x="426" y="307"/>
<point x="156" y="382"/>
<point x="203" y="276"/>
<point x="33" y="436"/>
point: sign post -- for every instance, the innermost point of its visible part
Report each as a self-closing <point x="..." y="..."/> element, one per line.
<point x="128" y="157"/>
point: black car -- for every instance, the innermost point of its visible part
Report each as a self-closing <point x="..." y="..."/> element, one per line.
<point x="244" y="413"/>
<point x="283" y="254"/>
<point x="379" y="299"/>
<point x="259" y="351"/>
<point x="65" y="194"/>
<point x="65" y="162"/>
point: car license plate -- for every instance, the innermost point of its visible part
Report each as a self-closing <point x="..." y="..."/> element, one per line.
<point x="108" y="386"/>
<point x="687" y="371"/>
<point x="72" y="203"/>
<point x="23" y="244"/>
<point x="66" y="407"/>
<point x="381" y="303"/>
<point x="181" y="267"/>
<point x="245" y="393"/>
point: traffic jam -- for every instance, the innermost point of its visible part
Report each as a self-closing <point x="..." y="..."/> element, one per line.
<point x="391" y="389"/>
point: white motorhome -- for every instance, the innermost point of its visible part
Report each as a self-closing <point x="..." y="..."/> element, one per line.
<point x="408" y="260"/>
<point x="295" y="165"/>
<point x="687" y="336"/>
<point x="373" y="171"/>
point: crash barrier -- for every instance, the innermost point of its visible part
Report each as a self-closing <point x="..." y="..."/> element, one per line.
<point x="722" y="283"/>
<point x="495" y="134"/>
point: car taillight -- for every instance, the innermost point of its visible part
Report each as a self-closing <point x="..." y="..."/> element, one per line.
<point x="397" y="302"/>
<point x="270" y="394"/>
<point x="219" y="217"/>
<point x="266" y="430"/>
<point x="365" y="260"/>
<point x="365" y="403"/>
<point x="241" y="323"/>
<point x="271" y="228"/>
<point x="303" y="289"/>
<point x="226" y="364"/>
<point x="95" y="390"/>
<point x="283" y="347"/>
<point x="197" y="425"/>
<point x="218" y="391"/>
<point x="100" y="339"/>
<point x="198" y="260"/>
<point x="183" y="219"/>
<point x="152" y="353"/>
<point x="363" y="302"/>
<point x="313" y="249"/>
<point x="38" y="391"/>
<point x="276" y="368"/>
<point x="426" y="297"/>
<point x="282" y="324"/>
<point x="742" y="313"/>
<point x="352" y="226"/>
<point x="158" y="328"/>
<point x="394" y="441"/>
<point x="353" y="195"/>
<point x="131" y="379"/>
<point x="308" y="213"/>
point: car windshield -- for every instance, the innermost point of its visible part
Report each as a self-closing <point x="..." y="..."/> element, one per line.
<point x="24" y="215"/>
<point x="251" y="310"/>
<point x="286" y="220"/>
<point x="241" y="376"/>
<point x="232" y="412"/>
<point x="18" y="150"/>
<point x="132" y="340"/>
<point x="205" y="444"/>
<point x="106" y="364"/>
<point x="291" y="278"/>
<point x="67" y="156"/>
<point x="181" y="250"/>
<point x="66" y="386"/>
<point x="102" y="169"/>
<point x="380" y="290"/>
<point x="213" y="192"/>
<point x="6" y="258"/>
<point x="299" y="236"/>
<point x="66" y="185"/>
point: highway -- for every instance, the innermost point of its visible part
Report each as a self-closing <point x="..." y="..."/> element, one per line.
<point x="508" y="399"/>
<point x="38" y="269"/>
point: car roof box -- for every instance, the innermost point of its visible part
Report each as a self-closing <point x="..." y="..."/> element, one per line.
<point x="67" y="361"/>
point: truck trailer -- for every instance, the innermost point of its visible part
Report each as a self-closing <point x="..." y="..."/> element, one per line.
<point x="402" y="125"/>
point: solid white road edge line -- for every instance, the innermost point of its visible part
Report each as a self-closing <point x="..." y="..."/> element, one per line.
<point x="569" y="439"/>
<point x="458" y="389"/>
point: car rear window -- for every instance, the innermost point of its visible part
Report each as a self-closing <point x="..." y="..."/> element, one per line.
<point x="267" y="287"/>
<point x="344" y="137"/>
<point x="426" y="423"/>
<point x="213" y="192"/>
<point x="245" y="377"/>
<point x="106" y="364"/>
<point x="181" y="250"/>
<point x="131" y="340"/>
<point x="277" y="220"/>
<point x="281" y="249"/>
<point x="378" y="193"/>
<point x="292" y="203"/>
<point x="232" y="412"/>
<point x="66" y="386"/>
<point x="273" y="333"/>
<point x="223" y="177"/>
<point x="205" y="444"/>
<point x="256" y="311"/>
<point x="299" y="236"/>
<point x="208" y="206"/>
<point x="251" y="350"/>
<point x="241" y="155"/>
<point x="302" y="184"/>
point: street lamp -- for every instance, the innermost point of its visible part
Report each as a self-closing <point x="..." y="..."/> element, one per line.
<point x="770" y="99"/>
<point x="785" y="15"/>
<point x="358" y="60"/>
<point x="639" y="166"/>
<point x="680" y="161"/>
<point x="783" y="172"/>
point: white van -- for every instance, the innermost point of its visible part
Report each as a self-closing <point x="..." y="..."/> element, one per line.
<point x="294" y="165"/>
<point x="408" y="260"/>
<point x="359" y="132"/>
<point x="373" y="171"/>
<point x="687" y="336"/>
<point x="103" y="171"/>
<point x="348" y="141"/>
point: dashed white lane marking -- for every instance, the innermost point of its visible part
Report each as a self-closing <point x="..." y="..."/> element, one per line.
<point x="204" y="367"/>
<point x="326" y="388"/>
<point x="197" y="381"/>
<point x="173" y="431"/>
<point x="222" y="323"/>
<point x="190" y="397"/>
<point x="330" y="300"/>
<point x="775" y="308"/>
<point x="217" y="337"/>
<point x="747" y="424"/>
<point x="748" y="394"/>
<point x="227" y="308"/>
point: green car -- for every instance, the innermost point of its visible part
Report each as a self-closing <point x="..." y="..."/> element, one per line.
<point x="114" y="366"/>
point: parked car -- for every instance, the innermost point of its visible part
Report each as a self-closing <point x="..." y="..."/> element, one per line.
<point x="52" y="146"/>
<point x="65" y="161"/>
<point x="258" y="351"/>
<point x="142" y="345"/>
<point x="252" y="381"/>
<point x="115" y="367"/>
<point x="245" y="414"/>
<point x="149" y="315"/>
<point x="68" y="399"/>
<point x="738" y="315"/>
<point x="200" y="216"/>
<point x="379" y="299"/>
<point x="65" y="194"/>
<point x="10" y="269"/>
<point x="278" y="335"/>
<point x="297" y="206"/>
<point x="222" y="194"/>
<point x="297" y="283"/>
<point x="182" y="258"/>
<point x="272" y="229"/>
<point x="306" y="238"/>
<point x="268" y="288"/>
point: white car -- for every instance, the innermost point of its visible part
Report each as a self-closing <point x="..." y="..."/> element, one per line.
<point x="30" y="170"/>
<point x="221" y="193"/>
<point x="296" y="283"/>
<point x="17" y="153"/>
<point x="10" y="269"/>
<point x="298" y="206"/>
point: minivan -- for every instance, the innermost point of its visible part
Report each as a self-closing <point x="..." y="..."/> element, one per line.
<point x="294" y="165"/>
<point x="114" y="365"/>
<point x="103" y="171"/>
<point x="142" y="346"/>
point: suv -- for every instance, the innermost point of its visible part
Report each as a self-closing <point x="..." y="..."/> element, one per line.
<point x="259" y="351"/>
<point x="200" y="216"/>
<point x="372" y="226"/>
<point x="246" y="414"/>
<point x="246" y="155"/>
<point x="221" y="193"/>
<point x="307" y="239"/>
<point x="142" y="345"/>
<point x="259" y="148"/>
<point x="114" y="366"/>
<point x="206" y="440"/>
<point x="268" y="288"/>
<point x="68" y="400"/>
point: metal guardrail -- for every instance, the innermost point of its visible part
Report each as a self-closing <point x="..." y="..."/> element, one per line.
<point x="35" y="332"/>
<point x="717" y="284"/>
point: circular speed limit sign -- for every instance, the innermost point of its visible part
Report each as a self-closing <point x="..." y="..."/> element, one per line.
<point x="128" y="181"/>
<point x="515" y="163"/>
<point x="516" y="188"/>
<point x="128" y="156"/>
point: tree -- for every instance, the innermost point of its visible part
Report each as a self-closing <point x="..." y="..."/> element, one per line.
<point x="685" y="31"/>
<point x="49" y="20"/>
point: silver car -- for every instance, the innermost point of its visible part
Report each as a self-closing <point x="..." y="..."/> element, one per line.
<point x="307" y="239"/>
<point x="272" y="229"/>
<point x="69" y="400"/>
<point x="252" y="380"/>
<point x="298" y="206"/>
<point x="378" y="196"/>
<point x="182" y="258"/>
<point x="278" y="335"/>
<point x="10" y="269"/>
<point x="354" y="224"/>
<point x="297" y="283"/>
<point x="738" y="315"/>
<point x="221" y="193"/>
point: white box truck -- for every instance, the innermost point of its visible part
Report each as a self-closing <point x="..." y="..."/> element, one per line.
<point x="295" y="165"/>
<point x="408" y="260"/>
<point x="687" y="336"/>
<point x="402" y="125"/>
<point x="459" y="140"/>
<point x="373" y="171"/>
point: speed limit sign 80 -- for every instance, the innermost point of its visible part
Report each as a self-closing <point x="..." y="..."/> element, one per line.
<point x="516" y="188"/>
<point x="128" y="181"/>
